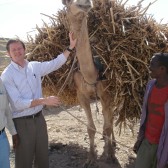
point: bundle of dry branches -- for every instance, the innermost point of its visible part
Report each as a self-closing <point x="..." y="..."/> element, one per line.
<point x="124" y="37"/>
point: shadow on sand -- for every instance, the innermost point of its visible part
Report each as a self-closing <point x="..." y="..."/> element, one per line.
<point x="75" y="156"/>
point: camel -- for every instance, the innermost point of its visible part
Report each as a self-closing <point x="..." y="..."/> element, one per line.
<point x="85" y="79"/>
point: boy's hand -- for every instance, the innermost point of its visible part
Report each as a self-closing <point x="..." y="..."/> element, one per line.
<point x="15" y="139"/>
<point x="136" y="146"/>
<point x="166" y="166"/>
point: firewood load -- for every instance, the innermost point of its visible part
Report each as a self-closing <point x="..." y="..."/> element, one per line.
<point x="125" y="38"/>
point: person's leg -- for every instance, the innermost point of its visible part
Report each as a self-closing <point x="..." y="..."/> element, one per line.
<point x="4" y="151"/>
<point x="41" y="152"/>
<point x="24" y="153"/>
<point x="154" y="164"/>
<point x="146" y="155"/>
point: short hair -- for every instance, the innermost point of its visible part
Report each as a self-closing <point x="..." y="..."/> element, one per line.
<point x="162" y="59"/>
<point x="14" y="41"/>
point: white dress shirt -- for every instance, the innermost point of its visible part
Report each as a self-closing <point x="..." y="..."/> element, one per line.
<point x="24" y="84"/>
<point x="5" y="113"/>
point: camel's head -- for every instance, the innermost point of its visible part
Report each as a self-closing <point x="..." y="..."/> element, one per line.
<point x="78" y="6"/>
<point x="77" y="11"/>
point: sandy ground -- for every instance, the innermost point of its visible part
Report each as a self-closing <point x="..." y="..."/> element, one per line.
<point x="69" y="142"/>
<point x="4" y="61"/>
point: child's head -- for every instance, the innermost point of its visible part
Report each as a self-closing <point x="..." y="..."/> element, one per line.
<point x="159" y="65"/>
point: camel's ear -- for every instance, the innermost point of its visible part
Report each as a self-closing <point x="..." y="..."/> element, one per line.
<point x="65" y="2"/>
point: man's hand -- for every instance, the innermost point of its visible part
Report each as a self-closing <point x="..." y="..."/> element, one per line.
<point x="72" y="41"/>
<point x="15" y="139"/>
<point x="136" y="146"/>
<point x="52" y="101"/>
<point x="166" y="166"/>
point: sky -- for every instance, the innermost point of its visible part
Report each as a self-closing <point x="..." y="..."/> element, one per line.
<point x="20" y="17"/>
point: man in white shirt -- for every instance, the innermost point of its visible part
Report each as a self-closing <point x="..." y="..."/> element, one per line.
<point x="22" y="80"/>
<point x="5" y="121"/>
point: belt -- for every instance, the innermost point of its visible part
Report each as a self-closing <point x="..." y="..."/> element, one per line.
<point x="30" y="116"/>
<point x="2" y="130"/>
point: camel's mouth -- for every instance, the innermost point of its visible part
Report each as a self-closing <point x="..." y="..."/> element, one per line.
<point x="85" y="8"/>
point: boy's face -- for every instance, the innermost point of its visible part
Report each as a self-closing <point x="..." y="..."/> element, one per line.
<point x="155" y="68"/>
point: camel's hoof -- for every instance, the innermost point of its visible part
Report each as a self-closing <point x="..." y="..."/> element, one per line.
<point x="111" y="159"/>
<point x="108" y="158"/>
<point x="90" y="164"/>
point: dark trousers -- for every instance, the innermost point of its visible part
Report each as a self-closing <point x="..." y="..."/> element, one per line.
<point x="33" y="142"/>
<point x="146" y="156"/>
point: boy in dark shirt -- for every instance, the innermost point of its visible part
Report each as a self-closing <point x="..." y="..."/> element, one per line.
<point x="152" y="142"/>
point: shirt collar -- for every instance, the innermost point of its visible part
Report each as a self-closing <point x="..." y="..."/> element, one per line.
<point x="18" y="67"/>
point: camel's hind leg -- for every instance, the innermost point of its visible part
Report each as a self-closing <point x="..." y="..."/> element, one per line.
<point x="91" y="129"/>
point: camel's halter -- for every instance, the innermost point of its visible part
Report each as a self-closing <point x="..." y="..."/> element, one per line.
<point x="95" y="89"/>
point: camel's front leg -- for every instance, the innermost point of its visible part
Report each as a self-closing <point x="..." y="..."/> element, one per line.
<point x="91" y="129"/>
<point x="108" y="127"/>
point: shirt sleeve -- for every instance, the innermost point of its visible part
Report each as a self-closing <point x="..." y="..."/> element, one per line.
<point x="10" y="125"/>
<point x="7" y="112"/>
<point x="15" y="97"/>
<point x="50" y="66"/>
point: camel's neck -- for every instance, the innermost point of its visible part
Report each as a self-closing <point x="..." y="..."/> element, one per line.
<point x="84" y="55"/>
